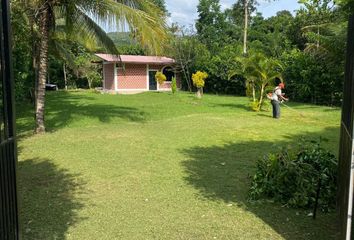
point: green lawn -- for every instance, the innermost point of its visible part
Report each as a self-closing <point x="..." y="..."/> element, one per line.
<point x="158" y="166"/>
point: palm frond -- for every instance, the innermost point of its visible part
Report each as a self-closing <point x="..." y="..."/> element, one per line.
<point x="145" y="21"/>
<point x="85" y="26"/>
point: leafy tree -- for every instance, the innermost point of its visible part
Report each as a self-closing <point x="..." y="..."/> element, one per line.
<point x="211" y="24"/>
<point x="313" y="79"/>
<point x="199" y="82"/>
<point x="270" y="36"/>
<point x="189" y="54"/>
<point x="86" y="70"/>
<point x="319" y="13"/>
<point x="218" y="67"/>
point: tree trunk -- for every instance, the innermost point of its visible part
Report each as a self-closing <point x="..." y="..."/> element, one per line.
<point x="186" y="77"/>
<point x="318" y="37"/>
<point x="261" y="98"/>
<point x="199" y="93"/>
<point x="33" y="92"/>
<point x="253" y="92"/>
<point x="65" y="79"/>
<point x="245" y="28"/>
<point x="189" y="80"/>
<point x="43" y="68"/>
<point x="89" y="82"/>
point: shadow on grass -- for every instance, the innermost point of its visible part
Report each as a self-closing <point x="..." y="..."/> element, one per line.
<point x="267" y="115"/>
<point x="224" y="173"/>
<point x="48" y="199"/>
<point x="63" y="107"/>
<point x="234" y="105"/>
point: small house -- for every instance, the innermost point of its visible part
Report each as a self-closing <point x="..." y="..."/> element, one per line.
<point x="134" y="74"/>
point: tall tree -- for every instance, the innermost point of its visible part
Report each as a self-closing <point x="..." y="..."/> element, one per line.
<point x="245" y="28"/>
<point x="240" y="16"/>
<point x="141" y="16"/>
<point x="319" y="13"/>
<point x="211" y="24"/>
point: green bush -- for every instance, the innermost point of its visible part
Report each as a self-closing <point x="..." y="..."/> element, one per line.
<point x="292" y="176"/>
<point x="174" y="85"/>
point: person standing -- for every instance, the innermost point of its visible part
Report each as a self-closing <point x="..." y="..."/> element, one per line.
<point x="277" y="97"/>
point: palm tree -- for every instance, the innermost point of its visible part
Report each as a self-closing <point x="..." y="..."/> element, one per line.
<point x="260" y="73"/>
<point x="246" y="71"/>
<point x="267" y="70"/>
<point x="142" y="17"/>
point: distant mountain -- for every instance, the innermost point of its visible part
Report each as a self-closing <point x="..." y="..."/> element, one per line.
<point x="121" y="38"/>
<point x="125" y="43"/>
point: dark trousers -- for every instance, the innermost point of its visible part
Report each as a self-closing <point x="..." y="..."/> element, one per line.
<point x="276" y="109"/>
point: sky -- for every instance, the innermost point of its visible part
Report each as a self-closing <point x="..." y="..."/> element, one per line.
<point x="184" y="12"/>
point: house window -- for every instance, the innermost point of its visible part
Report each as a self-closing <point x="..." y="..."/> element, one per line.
<point x="169" y="73"/>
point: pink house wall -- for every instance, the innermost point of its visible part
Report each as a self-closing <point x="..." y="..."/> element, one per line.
<point x="134" y="77"/>
<point x="108" y="72"/>
<point x="155" y="67"/>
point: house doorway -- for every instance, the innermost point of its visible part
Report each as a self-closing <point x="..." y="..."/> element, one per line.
<point x="152" y="81"/>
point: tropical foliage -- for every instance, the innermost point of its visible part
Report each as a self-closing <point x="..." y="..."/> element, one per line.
<point x="297" y="175"/>
<point x="174" y="85"/>
<point x="261" y="74"/>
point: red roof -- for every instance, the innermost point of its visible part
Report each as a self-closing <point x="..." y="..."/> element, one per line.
<point x="135" y="59"/>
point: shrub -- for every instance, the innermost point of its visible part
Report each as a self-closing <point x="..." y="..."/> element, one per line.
<point x="174" y="85"/>
<point x="292" y="176"/>
<point x="160" y="77"/>
<point x="198" y="79"/>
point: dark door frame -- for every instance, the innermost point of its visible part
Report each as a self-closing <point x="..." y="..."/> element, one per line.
<point x="153" y="80"/>
<point x="9" y="227"/>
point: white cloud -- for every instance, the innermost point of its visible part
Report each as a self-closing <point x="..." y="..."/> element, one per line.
<point x="185" y="11"/>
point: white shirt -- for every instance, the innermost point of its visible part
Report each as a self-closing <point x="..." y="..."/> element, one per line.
<point x="276" y="93"/>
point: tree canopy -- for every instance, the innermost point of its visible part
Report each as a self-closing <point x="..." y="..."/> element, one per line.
<point x="309" y="44"/>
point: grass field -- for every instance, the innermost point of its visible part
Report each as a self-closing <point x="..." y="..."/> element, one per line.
<point x="159" y="166"/>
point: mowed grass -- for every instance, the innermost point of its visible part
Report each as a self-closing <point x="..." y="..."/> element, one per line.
<point x="160" y="166"/>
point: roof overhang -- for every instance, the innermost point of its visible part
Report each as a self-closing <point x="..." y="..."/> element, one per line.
<point x="135" y="59"/>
